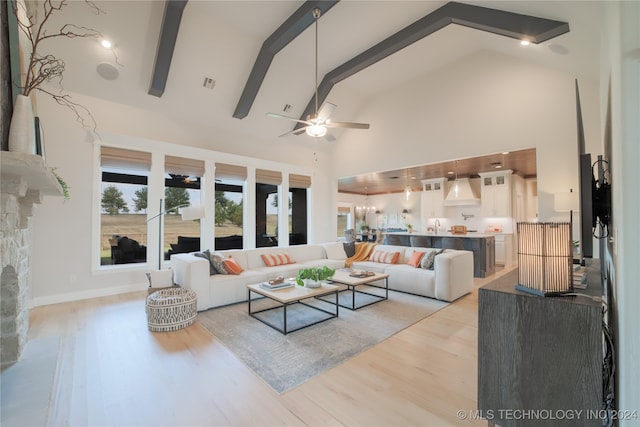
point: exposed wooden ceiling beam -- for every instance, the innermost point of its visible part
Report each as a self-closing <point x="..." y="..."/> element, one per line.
<point x="166" y="43"/>
<point x="299" y="21"/>
<point x="507" y="24"/>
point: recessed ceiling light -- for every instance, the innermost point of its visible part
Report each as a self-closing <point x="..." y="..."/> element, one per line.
<point x="505" y="152"/>
<point x="106" y="44"/>
<point x="525" y="42"/>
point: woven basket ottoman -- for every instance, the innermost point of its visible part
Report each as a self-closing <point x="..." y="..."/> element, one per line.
<point x="171" y="309"/>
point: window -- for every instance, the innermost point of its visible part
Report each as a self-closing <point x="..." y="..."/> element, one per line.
<point x="229" y="206"/>
<point x="181" y="188"/>
<point x="345" y="220"/>
<point x="298" y="185"/>
<point x="123" y="227"/>
<point x="267" y="185"/>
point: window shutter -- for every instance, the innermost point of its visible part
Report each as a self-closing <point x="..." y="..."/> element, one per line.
<point x="264" y="176"/>
<point x="231" y="172"/>
<point x="120" y="158"/>
<point x="299" y="181"/>
<point x="182" y="166"/>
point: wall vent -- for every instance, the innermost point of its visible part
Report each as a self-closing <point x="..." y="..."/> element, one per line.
<point x="208" y="83"/>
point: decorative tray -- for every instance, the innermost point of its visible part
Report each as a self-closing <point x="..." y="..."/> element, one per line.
<point x="361" y="274"/>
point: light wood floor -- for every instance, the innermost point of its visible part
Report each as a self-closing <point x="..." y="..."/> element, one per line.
<point x="94" y="362"/>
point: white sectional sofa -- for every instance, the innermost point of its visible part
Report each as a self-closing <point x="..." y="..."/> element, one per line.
<point x="192" y="272"/>
<point x="451" y="278"/>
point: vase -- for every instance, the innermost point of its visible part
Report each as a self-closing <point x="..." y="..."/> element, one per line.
<point x="22" y="133"/>
<point x="310" y="283"/>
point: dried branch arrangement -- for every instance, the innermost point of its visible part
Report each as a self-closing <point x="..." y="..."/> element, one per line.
<point x="46" y="68"/>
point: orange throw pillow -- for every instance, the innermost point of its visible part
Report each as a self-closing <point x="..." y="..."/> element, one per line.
<point x="414" y="261"/>
<point x="232" y="266"/>
<point x="384" y="257"/>
<point x="272" y="260"/>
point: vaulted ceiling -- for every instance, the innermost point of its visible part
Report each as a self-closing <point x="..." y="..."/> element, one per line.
<point x="196" y="62"/>
<point x="220" y="40"/>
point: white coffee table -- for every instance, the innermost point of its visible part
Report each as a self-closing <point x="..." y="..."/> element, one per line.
<point x="344" y="278"/>
<point x="290" y="296"/>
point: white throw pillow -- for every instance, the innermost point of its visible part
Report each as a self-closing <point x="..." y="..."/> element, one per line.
<point x="161" y="278"/>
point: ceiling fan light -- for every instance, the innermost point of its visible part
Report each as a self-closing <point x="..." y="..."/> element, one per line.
<point x="316" y="131"/>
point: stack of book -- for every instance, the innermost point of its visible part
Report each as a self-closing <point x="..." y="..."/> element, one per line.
<point x="579" y="277"/>
<point x="281" y="285"/>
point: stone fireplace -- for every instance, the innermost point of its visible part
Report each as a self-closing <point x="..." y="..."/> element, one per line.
<point x="25" y="179"/>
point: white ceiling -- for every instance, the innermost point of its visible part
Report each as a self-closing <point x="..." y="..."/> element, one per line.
<point x="221" y="39"/>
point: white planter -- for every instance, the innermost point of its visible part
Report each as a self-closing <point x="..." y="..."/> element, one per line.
<point x="22" y="133"/>
<point x="310" y="283"/>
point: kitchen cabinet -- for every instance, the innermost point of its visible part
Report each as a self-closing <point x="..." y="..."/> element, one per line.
<point x="482" y="246"/>
<point x="495" y="193"/>
<point x="504" y="249"/>
<point x="432" y="205"/>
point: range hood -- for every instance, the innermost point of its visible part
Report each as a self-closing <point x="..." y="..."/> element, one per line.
<point x="461" y="194"/>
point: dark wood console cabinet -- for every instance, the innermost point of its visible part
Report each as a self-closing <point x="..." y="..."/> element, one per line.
<point x="537" y="353"/>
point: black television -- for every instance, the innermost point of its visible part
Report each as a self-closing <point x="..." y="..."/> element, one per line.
<point x="586" y="206"/>
<point x="595" y="192"/>
<point x="585" y="182"/>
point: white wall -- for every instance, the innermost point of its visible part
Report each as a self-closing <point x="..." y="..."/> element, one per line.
<point x="621" y="70"/>
<point x="486" y="103"/>
<point x="65" y="236"/>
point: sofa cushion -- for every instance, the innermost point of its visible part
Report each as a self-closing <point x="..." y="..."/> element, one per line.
<point x="207" y="255"/>
<point x="403" y="277"/>
<point x="427" y="261"/>
<point x="217" y="259"/>
<point x="414" y="260"/>
<point x="335" y="250"/>
<point x="279" y="258"/>
<point x="384" y="257"/>
<point x="349" y="248"/>
<point x="232" y="266"/>
<point x="302" y="253"/>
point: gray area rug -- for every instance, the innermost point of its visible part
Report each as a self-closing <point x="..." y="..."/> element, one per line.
<point x="286" y="361"/>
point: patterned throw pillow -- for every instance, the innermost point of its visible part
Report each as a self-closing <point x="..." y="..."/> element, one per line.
<point x="384" y="257"/>
<point x="232" y="266"/>
<point x="349" y="248"/>
<point x="416" y="256"/>
<point x="218" y="263"/>
<point x="427" y="262"/>
<point x="272" y="260"/>
<point x="207" y="255"/>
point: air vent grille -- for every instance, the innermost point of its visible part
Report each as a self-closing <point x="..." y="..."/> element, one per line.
<point x="208" y="83"/>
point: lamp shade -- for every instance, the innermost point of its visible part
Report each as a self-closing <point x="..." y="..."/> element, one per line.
<point x="190" y="213"/>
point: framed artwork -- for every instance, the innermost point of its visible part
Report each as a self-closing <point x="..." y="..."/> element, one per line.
<point x="39" y="137"/>
<point x="393" y="219"/>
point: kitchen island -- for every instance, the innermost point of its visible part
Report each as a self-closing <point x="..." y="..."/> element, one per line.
<point x="481" y="244"/>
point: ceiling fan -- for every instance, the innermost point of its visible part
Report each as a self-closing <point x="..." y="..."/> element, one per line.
<point x="316" y="124"/>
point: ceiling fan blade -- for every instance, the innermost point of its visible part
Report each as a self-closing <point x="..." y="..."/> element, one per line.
<point x="280" y="116"/>
<point x="325" y="112"/>
<point x="348" y="125"/>
<point x="294" y="132"/>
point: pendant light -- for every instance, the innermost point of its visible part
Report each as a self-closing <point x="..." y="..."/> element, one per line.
<point x="407" y="188"/>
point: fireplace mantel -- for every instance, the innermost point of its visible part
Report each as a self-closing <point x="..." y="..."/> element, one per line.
<point x="25" y="179"/>
<point x="32" y="169"/>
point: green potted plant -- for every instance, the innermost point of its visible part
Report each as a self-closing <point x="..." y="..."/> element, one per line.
<point x="311" y="277"/>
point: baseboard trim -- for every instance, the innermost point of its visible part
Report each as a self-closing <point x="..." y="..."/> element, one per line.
<point x="88" y="294"/>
